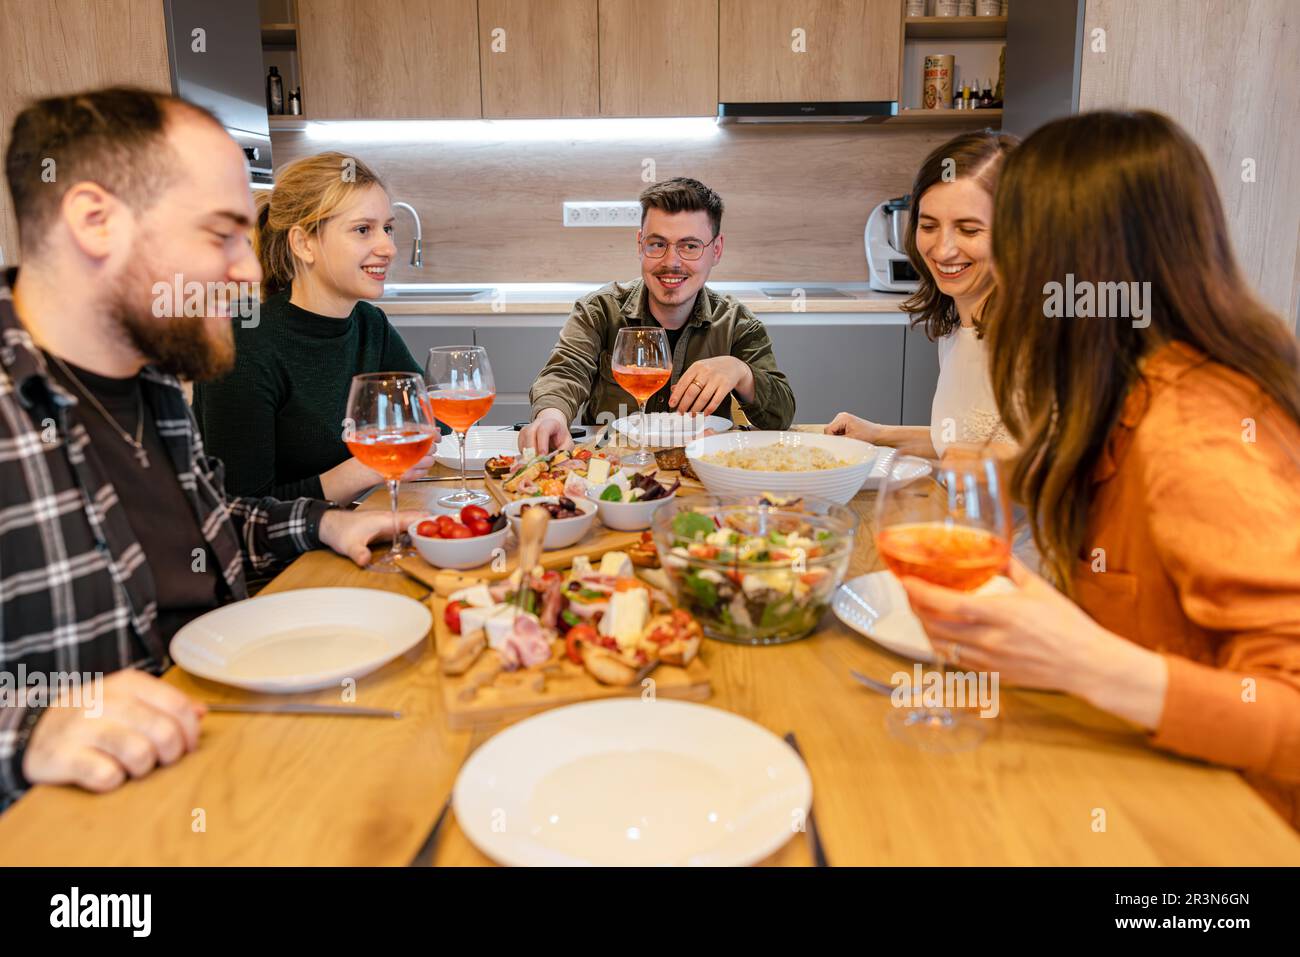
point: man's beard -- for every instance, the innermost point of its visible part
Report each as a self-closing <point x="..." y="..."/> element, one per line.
<point x="178" y="344"/>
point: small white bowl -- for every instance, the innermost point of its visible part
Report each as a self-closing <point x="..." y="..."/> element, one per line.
<point x="457" y="553"/>
<point x="480" y="445"/>
<point x="562" y="532"/>
<point x="837" y="484"/>
<point x="629" y="516"/>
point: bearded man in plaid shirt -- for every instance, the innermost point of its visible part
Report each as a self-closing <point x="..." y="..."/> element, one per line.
<point x="114" y="526"/>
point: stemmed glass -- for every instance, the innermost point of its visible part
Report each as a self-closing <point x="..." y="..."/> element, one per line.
<point x="642" y="366"/>
<point x="956" y="534"/>
<point x="389" y="429"/>
<point x="461" y="390"/>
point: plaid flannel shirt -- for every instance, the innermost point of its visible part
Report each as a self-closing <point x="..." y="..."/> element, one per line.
<point x="76" y="593"/>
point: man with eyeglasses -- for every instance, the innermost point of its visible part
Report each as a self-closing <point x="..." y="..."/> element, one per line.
<point x="719" y="348"/>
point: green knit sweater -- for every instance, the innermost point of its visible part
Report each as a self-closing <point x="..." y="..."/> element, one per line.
<point x="276" y="421"/>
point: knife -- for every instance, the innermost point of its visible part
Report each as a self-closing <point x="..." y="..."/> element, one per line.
<point x="299" y="707"/>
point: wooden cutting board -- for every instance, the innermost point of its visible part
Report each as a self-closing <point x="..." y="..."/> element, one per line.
<point x="568" y="684"/>
<point x="593" y="545"/>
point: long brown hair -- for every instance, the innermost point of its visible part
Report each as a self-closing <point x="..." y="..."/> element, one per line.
<point x="1110" y="197"/>
<point x="977" y="155"/>
<point x="307" y="193"/>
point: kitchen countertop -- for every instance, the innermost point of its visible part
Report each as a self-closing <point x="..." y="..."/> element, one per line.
<point x="418" y="299"/>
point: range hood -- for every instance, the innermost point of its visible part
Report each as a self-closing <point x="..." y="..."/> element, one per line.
<point x="863" y="111"/>
<point x="215" y="51"/>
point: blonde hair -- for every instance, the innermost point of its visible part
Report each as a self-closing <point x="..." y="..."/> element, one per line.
<point x="307" y="193"/>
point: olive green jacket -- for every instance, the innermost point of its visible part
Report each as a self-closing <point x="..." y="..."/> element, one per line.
<point x="578" y="370"/>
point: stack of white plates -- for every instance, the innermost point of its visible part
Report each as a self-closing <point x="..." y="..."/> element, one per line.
<point x="670" y="429"/>
<point x="480" y="445"/>
<point x="837" y="484"/>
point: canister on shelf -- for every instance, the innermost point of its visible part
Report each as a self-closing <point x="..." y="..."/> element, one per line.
<point x="936" y="86"/>
<point x="946" y="8"/>
<point x="916" y="8"/>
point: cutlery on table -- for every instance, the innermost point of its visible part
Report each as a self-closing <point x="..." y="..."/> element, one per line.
<point x="424" y="856"/>
<point x="300" y="707"/>
<point x="872" y="683"/>
<point x="814" y="837"/>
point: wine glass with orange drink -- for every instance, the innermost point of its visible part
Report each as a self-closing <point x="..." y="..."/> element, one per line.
<point x="642" y="366"/>
<point x="389" y="429"/>
<point x="461" y="391"/>
<point x="956" y="533"/>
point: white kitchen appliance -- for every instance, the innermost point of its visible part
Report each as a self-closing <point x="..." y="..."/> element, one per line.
<point x="887" y="262"/>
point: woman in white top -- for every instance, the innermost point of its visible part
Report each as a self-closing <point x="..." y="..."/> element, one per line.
<point x="948" y="243"/>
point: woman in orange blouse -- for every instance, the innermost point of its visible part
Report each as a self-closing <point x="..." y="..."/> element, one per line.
<point x="1160" y="454"/>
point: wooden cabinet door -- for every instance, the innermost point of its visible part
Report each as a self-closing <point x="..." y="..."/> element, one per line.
<point x="538" y="58"/>
<point x="658" y="57"/>
<point x="403" y="59"/>
<point x="789" y="51"/>
<point x="51" y="47"/>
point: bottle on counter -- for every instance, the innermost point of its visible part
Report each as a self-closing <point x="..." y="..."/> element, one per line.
<point x="274" y="93"/>
<point x="295" y="102"/>
<point x="986" y="97"/>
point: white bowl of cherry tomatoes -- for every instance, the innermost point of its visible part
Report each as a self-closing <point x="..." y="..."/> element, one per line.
<point x="467" y="540"/>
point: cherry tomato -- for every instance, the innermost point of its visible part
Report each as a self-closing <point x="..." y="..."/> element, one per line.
<point x="444" y="523"/>
<point x="452" y="615"/>
<point x="457" y="530"/>
<point x="473" y="513"/>
<point x="478" y="527"/>
<point x="583" y="455"/>
<point x="427" y="529"/>
<point x="572" y="641"/>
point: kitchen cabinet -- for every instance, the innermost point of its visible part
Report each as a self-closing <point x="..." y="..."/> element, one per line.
<point x="841" y="367"/>
<point x="538" y="58"/>
<point x="920" y="376"/>
<point x="787" y="51"/>
<point x="48" y="47"/>
<point x="658" y="57"/>
<point x="410" y="59"/>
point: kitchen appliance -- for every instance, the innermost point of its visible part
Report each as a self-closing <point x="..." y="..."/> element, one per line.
<point x="887" y="261"/>
<point x="874" y="111"/>
<point x="215" y="51"/>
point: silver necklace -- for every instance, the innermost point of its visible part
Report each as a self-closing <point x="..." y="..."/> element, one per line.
<point x="135" y="442"/>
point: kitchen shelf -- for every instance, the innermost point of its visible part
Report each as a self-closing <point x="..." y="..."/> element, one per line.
<point x="955" y="28"/>
<point x="287" y="122"/>
<point x="987" y="117"/>
<point x="279" y="34"/>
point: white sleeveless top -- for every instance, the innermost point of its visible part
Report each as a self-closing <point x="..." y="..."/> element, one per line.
<point x="964" y="409"/>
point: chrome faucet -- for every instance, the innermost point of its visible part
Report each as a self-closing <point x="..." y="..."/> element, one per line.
<point x="417" y="252"/>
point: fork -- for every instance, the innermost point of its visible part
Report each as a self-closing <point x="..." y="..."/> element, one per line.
<point x="424" y="856"/>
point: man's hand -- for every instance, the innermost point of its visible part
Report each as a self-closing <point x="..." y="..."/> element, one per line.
<point x="550" y="430"/>
<point x="707" y="383"/>
<point x="137" y="723"/>
<point x="350" y="533"/>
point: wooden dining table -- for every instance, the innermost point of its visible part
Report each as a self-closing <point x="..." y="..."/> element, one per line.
<point x="1055" y="782"/>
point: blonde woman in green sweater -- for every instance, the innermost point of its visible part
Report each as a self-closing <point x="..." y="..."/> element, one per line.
<point x="324" y="239"/>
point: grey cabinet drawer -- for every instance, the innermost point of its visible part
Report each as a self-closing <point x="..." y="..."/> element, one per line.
<point x="920" y="376"/>
<point x="841" y="368"/>
<point x="420" y="339"/>
<point x="517" y="353"/>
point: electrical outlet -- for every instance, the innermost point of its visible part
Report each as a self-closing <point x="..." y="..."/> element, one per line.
<point x="612" y="213"/>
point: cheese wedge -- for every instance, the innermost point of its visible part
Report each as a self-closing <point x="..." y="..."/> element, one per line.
<point x="626" y="618"/>
<point x="598" y="471"/>
<point x="618" y="564"/>
<point x="477" y="596"/>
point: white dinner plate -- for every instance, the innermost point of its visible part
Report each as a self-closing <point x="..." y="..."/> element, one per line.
<point x="670" y="429"/>
<point x="301" y="640"/>
<point x="907" y="468"/>
<point x="876" y="606"/>
<point x="628" y="782"/>
<point x="480" y="445"/>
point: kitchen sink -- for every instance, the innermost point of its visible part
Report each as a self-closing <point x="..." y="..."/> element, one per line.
<point x="438" y="295"/>
<point x="809" y="292"/>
